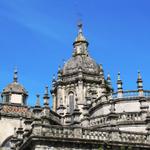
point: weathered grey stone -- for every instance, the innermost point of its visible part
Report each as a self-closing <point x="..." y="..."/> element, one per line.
<point x="86" y="114"/>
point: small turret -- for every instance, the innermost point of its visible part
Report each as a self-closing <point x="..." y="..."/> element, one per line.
<point x="14" y="92"/>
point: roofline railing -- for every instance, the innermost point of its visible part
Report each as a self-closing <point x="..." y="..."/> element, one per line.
<point x="131" y="93"/>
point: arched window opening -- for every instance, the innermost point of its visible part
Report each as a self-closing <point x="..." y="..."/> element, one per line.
<point x="71" y="101"/>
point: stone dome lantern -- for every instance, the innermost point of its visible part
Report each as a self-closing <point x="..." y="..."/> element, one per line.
<point x="81" y="59"/>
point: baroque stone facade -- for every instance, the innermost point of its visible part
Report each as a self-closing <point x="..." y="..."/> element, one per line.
<point x="87" y="114"/>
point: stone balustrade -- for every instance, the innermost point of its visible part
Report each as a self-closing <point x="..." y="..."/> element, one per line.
<point x="122" y="117"/>
<point x="130" y="116"/>
<point x="96" y="135"/>
<point x="131" y="93"/>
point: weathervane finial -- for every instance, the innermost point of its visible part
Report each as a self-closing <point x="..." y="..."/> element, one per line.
<point x="15" y="75"/>
<point x="80" y="25"/>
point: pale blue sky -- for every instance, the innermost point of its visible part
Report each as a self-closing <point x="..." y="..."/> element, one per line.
<point x="36" y="35"/>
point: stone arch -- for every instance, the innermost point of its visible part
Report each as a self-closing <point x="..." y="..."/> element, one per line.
<point x="6" y="142"/>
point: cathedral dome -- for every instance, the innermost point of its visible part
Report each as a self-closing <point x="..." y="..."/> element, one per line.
<point x="80" y="59"/>
<point x="15" y="87"/>
<point x="83" y="62"/>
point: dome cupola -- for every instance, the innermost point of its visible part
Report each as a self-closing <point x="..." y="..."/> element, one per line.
<point x="80" y="58"/>
<point x="81" y="79"/>
<point x="14" y="92"/>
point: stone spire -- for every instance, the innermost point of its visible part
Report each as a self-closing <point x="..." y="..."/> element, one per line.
<point x="37" y="101"/>
<point x="37" y="109"/>
<point x="101" y="70"/>
<point x="109" y="85"/>
<point x="59" y="74"/>
<point x="46" y="97"/>
<point x="140" y="84"/>
<point x="119" y="82"/>
<point x="80" y="44"/>
<point x="119" y="86"/>
<point x="139" y="81"/>
<point x="15" y="75"/>
<point x="53" y="82"/>
<point x="109" y="81"/>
